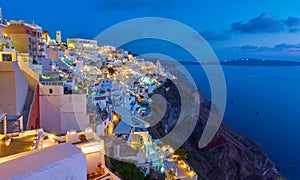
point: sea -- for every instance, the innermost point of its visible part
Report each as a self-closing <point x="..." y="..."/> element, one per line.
<point x="263" y="102"/>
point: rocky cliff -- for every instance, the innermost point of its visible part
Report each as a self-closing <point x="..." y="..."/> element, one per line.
<point x="228" y="156"/>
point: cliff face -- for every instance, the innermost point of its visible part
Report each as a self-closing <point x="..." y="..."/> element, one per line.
<point x="228" y="156"/>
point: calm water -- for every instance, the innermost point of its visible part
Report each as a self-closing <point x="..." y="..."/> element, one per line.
<point x="263" y="103"/>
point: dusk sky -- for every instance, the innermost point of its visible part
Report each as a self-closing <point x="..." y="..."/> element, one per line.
<point x="257" y="28"/>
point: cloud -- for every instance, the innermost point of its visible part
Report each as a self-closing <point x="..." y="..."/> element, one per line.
<point x="264" y="23"/>
<point x="294" y="30"/>
<point x="284" y="46"/>
<point x="211" y="35"/>
<point x="277" y="48"/>
<point x="292" y="21"/>
<point x="248" y="47"/>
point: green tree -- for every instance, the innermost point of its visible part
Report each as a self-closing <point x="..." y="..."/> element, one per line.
<point x="124" y="170"/>
<point x="181" y="153"/>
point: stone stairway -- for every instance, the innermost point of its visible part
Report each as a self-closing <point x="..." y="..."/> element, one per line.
<point x="31" y="76"/>
<point x="27" y="106"/>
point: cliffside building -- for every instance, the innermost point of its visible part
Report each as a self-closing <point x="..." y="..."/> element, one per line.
<point x="25" y="37"/>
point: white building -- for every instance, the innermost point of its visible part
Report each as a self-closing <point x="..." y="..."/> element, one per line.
<point x="4" y="40"/>
<point x="63" y="161"/>
<point x="61" y="112"/>
<point x="85" y="45"/>
<point x="58" y="37"/>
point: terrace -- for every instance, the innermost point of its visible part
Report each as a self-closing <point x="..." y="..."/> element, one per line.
<point x="181" y="169"/>
<point x="17" y="145"/>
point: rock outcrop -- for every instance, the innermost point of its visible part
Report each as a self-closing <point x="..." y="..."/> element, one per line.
<point x="228" y="156"/>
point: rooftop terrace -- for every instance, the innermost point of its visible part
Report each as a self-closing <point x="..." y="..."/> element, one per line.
<point x="17" y="145"/>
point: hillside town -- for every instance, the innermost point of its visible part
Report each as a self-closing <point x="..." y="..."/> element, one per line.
<point x="68" y="107"/>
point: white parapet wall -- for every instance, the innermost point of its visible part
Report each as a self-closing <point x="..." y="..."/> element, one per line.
<point x="63" y="161"/>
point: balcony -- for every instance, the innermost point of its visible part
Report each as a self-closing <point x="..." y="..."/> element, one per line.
<point x="52" y="83"/>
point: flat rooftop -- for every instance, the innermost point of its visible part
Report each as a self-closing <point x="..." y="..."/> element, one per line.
<point x="122" y="128"/>
<point x="17" y="145"/>
<point x="129" y="119"/>
<point x="38" y="161"/>
<point x="182" y="173"/>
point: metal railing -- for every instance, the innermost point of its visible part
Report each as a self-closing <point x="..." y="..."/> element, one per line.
<point x="52" y="83"/>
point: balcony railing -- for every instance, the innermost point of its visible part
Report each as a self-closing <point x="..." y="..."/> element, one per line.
<point x="52" y="83"/>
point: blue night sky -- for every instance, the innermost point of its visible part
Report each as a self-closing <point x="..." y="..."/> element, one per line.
<point x="257" y="28"/>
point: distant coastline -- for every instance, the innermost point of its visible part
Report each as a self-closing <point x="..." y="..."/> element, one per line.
<point x="246" y="62"/>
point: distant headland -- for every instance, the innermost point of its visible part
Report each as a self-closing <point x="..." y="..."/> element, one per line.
<point x="246" y="62"/>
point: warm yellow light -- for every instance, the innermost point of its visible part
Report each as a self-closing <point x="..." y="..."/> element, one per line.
<point x="71" y="46"/>
<point x="115" y="118"/>
<point x="174" y="156"/>
<point x="51" y="137"/>
<point x="110" y="129"/>
<point x="191" y="174"/>
<point x="182" y="164"/>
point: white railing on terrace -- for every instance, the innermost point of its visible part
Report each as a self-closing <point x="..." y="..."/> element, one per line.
<point x="52" y="83"/>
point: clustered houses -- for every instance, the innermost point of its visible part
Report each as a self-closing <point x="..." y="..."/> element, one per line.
<point x="94" y="97"/>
